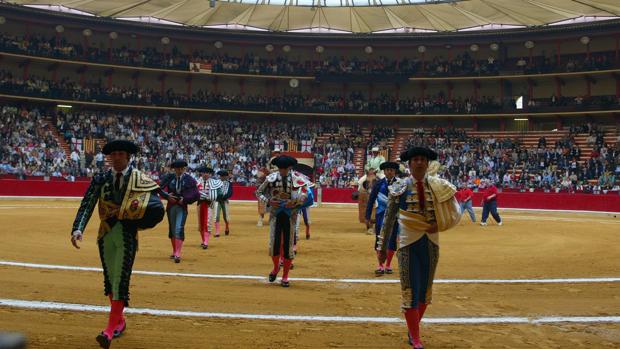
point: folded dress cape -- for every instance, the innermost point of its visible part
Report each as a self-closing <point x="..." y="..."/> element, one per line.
<point x="447" y="211"/>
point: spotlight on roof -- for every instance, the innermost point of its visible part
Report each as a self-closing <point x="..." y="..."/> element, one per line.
<point x="64" y="106"/>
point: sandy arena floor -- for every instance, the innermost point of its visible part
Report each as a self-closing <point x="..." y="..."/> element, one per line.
<point x="530" y="245"/>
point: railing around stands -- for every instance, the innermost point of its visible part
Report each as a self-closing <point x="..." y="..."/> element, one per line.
<point x="609" y="202"/>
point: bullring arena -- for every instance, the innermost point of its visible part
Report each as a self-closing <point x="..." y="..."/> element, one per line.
<point x="542" y="280"/>
<point x="147" y="108"/>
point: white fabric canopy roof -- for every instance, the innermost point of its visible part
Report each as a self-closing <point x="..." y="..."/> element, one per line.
<point x="348" y="16"/>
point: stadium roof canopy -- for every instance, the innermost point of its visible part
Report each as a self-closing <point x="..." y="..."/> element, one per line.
<point x="344" y="16"/>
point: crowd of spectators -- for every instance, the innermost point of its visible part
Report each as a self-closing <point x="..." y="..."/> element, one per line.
<point x="28" y="146"/>
<point x="552" y="167"/>
<point x="172" y="57"/>
<point x="239" y="146"/>
<point x="355" y="102"/>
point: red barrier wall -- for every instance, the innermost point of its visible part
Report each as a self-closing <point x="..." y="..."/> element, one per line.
<point x="549" y="201"/>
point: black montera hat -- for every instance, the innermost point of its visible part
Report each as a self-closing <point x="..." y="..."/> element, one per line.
<point x="389" y="164"/>
<point x="284" y="161"/>
<point x="178" y="164"/>
<point x="418" y="151"/>
<point x="205" y="169"/>
<point x="120" y="145"/>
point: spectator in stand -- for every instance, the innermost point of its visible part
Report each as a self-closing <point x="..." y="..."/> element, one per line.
<point x="375" y="160"/>
<point x="489" y="202"/>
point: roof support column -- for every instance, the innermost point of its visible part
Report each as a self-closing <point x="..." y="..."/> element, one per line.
<point x="501" y="90"/>
<point x="162" y="84"/>
<point x="84" y="46"/>
<point x="110" y="48"/>
<point x="55" y="73"/>
<point x="188" y="80"/>
<point x="617" y="49"/>
<point x="476" y="84"/>
<point x="108" y="74"/>
<point x="26" y="69"/>
<point x="135" y="76"/>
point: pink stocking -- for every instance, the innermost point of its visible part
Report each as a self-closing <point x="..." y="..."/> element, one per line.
<point x="276" y="264"/>
<point x="412" y="316"/>
<point x="116" y="316"/>
<point x="287" y="268"/>
<point x="390" y="255"/>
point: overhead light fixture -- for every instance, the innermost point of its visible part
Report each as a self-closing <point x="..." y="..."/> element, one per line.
<point x="64" y="106"/>
<point x="520" y="119"/>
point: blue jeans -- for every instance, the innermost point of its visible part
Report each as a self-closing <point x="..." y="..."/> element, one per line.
<point x="467" y="206"/>
<point x="490" y="207"/>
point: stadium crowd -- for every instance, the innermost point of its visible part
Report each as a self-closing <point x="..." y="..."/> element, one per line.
<point x="30" y="148"/>
<point x="463" y="64"/>
<point x="241" y="147"/>
<point x="355" y="102"/>
<point x="552" y="167"/>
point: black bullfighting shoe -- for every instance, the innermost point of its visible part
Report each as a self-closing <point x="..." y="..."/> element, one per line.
<point x="285" y="283"/>
<point x="272" y="277"/>
<point x="104" y="341"/>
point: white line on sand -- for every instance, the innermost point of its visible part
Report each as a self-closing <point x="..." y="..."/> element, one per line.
<point x="37" y="305"/>
<point x="361" y="281"/>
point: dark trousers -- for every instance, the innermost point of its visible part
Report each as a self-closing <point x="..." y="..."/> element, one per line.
<point x="282" y="234"/>
<point x="490" y="207"/>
